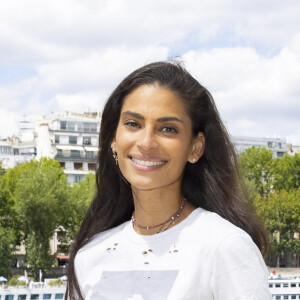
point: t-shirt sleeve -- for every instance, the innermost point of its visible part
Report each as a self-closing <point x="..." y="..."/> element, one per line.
<point x="78" y="272"/>
<point x="239" y="271"/>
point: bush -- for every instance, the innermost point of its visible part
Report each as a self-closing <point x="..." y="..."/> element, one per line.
<point x="13" y="281"/>
<point x="55" y="282"/>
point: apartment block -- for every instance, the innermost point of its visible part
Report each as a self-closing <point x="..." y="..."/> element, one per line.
<point x="72" y="140"/>
<point x="277" y="145"/>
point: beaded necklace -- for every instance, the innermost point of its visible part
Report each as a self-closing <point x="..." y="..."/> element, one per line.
<point x="171" y="220"/>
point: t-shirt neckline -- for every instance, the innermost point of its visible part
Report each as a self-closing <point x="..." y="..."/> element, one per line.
<point x="135" y="237"/>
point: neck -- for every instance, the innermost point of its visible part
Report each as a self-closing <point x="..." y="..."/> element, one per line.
<point x="153" y="207"/>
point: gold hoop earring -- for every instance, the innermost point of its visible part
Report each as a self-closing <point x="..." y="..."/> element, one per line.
<point x="115" y="155"/>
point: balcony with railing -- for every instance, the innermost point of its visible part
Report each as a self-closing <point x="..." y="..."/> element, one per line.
<point x="87" y="156"/>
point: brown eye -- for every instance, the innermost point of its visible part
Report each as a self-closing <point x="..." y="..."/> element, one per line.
<point x="132" y="124"/>
<point x="169" y="129"/>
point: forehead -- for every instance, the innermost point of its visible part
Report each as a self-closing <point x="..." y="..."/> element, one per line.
<point x="154" y="100"/>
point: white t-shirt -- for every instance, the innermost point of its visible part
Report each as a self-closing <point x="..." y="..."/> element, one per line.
<point x="203" y="257"/>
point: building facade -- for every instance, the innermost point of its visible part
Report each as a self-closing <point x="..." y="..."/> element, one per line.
<point x="17" y="150"/>
<point x="72" y="140"/>
<point x="277" y="145"/>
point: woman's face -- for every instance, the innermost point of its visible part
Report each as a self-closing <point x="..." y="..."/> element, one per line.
<point x="154" y="138"/>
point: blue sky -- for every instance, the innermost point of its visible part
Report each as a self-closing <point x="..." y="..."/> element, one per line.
<point x="70" y="54"/>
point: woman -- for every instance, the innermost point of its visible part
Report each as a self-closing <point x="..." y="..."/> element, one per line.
<point x="169" y="219"/>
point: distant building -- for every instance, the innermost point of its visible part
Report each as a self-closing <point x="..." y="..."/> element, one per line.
<point x="17" y="150"/>
<point x="72" y="140"/>
<point x="277" y="145"/>
<point x="292" y="149"/>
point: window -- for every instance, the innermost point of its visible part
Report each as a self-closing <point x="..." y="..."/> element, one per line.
<point x="62" y="164"/>
<point x="277" y="285"/>
<point x="72" y="139"/>
<point x="77" y="178"/>
<point x="90" y="154"/>
<point x="286" y="297"/>
<point x="92" y="167"/>
<point x="77" y="166"/>
<point x="63" y="125"/>
<point x="293" y="285"/>
<point x="270" y="145"/>
<point x="75" y="153"/>
<point x="278" y="297"/>
<point x="5" y="150"/>
<point x="9" y="297"/>
<point x="22" y="297"/>
<point x="59" y="296"/>
<point x="279" y="145"/>
<point x="270" y="285"/>
<point x="47" y="296"/>
<point x="56" y="139"/>
<point x="90" y="127"/>
<point x="293" y="297"/>
<point x="34" y="296"/>
<point x="79" y="126"/>
<point x="285" y="285"/>
<point x="71" y="126"/>
<point x="87" y="140"/>
<point x="59" y="152"/>
<point x="279" y="154"/>
<point x="94" y="127"/>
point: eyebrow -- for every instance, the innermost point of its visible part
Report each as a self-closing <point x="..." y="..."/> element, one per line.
<point x="162" y="119"/>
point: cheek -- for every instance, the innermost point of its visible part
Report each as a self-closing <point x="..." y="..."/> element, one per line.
<point x="123" y="141"/>
<point x="180" y="148"/>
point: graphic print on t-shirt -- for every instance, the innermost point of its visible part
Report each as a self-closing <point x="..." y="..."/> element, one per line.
<point x="134" y="285"/>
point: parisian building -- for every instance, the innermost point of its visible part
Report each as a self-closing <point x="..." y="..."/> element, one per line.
<point x="72" y="140"/>
<point x="277" y="144"/>
<point x="69" y="138"/>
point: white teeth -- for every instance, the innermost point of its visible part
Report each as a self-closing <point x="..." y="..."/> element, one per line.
<point x="147" y="163"/>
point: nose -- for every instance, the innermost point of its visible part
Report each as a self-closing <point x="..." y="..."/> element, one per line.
<point x="147" y="140"/>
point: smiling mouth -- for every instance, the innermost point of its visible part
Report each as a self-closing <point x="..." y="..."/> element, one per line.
<point x="148" y="163"/>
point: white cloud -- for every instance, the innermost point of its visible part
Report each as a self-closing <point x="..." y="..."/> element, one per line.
<point x="245" y="52"/>
<point x="257" y="96"/>
<point x="81" y="102"/>
<point x="8" y="123"/>
<point x="97" y="70"/>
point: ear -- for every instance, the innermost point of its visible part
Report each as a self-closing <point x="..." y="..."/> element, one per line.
<point x="113" y="143"/>
<point x="197" y="148"/>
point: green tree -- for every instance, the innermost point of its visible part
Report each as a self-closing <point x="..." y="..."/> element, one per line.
<point x="6" y="250"/>
<point x="286" y="172"/>
<point x="10" y="235"/>
<point x="281" y="214"/>
<point x="2" y="171"/>
<point x="256" y="165"/>
<point x="80" y="198"/>
<point x="41" y="200"/>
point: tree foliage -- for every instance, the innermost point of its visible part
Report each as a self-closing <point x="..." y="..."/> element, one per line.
<point x="35" y="200"/>
<point x="41" y="200"/>
<point x="286" y="172"/>
<point x="80" y="198"/>
<point x="10" y="235"/>
<point x="2" y="171"/>
<point x="256" y="164"/>
<point x="6" y="250"/>
<point x="281" y="214"/>
<point x="273" y="184"/>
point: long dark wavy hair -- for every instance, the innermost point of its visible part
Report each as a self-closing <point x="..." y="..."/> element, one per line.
<point x="213" y="183"/>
